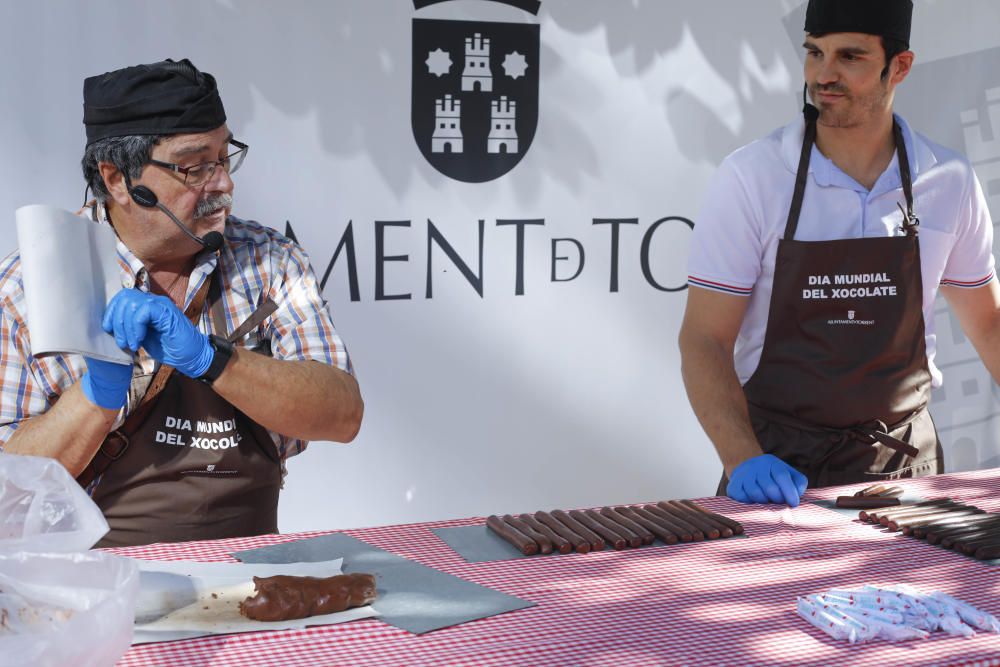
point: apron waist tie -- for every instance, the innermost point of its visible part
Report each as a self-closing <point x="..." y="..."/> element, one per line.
<point x="871" y="432"/>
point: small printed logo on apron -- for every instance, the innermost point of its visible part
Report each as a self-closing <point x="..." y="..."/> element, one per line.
<point x="852" y="320"/>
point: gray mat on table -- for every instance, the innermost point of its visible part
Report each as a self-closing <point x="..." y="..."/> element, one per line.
<point x="479" y="544"/>
<point x="411" y="596"/>
<point x="905" y="498"/>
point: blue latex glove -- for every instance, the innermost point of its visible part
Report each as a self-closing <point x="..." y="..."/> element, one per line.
<point x="137" y="319"/>
<point x="106" y="384"/>
<point x="766" y="479"/>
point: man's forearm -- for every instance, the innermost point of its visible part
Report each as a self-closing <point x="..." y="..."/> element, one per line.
<point x="978" y="311"/>
<point x="988" y="346"/>
<point x="717" y="399"/>
<point x="299" y="399"/>
<point x="70" y="432"/>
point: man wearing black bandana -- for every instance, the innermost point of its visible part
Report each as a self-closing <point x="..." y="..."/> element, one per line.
<point x="236" y="361"/>
<point x="808" y="340"/>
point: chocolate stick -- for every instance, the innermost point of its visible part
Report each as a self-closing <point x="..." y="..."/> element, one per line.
<point x="875" y="516"/>
<point x="869" y="515"/>
<point x="727" y="527"/>
<point x="865" y="502"/>
<point x="911" y="526"/>
<point x="930" y="517"/>
<point x="661" y="532"/>
<point x="698" y="519"/>
<point x="970" y="544"/>
<point x="886" y="517"/>
<point x="643" y="532"/>
<point x="544" y="544"/>
<point x="896" y="513"/>
<point x="970" y="548"/>
<point x="631" y="538"/>
<point x="894" y="523"/>
<point x="560" y="544"/>
<point x="950" y="541"/>
<point x="666" y="524"/>
<point x="985" y="542"/>
<point x="524" y="544"/>
<point x="596" y="541"/>
<point x="974" y="532"/>
<point x="938" y="535"/>
<point x="918" y="506"/>
<point x="969" y="524"/>
<point x="582" y="546"/>
<point x="947" y="523"/>
<point x="880" y="491"/>
<point x="616" y="541"/>
<point x="988" y="553"/>
<point x="679" y="518"/>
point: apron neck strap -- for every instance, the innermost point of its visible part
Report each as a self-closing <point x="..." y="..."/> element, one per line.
<point x="217" y="311"/>
<point x="910" y="221"/>
<point x="801" y="175"/>
<point x="193" y="311"/>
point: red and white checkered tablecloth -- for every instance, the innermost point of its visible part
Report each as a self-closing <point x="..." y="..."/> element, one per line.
<point x="722" y="602"/>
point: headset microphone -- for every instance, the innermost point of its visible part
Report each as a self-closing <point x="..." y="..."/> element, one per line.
<point x="146" y="198"/>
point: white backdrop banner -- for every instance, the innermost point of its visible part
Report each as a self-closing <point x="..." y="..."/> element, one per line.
<point x="499" y="198"/>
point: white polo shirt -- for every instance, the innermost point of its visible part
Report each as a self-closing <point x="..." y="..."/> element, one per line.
<point x="736" y="236"/>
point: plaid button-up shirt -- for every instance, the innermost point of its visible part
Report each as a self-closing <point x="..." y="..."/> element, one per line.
<point x="258" y="264"/>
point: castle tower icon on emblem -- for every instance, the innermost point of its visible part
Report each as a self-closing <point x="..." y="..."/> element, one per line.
<point x="503" y="132"/>
<point x="447" y="137"/>
<point x="477" y="65"/>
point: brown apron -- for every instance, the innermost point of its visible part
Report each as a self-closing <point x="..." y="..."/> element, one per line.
<point x="842" y="386"/>
<point x="187" y="465"/>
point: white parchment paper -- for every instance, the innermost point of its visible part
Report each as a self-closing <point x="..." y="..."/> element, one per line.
<point x="181" y="599"/>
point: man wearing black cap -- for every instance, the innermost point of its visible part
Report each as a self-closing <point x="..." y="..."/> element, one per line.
<point x="236" y="364"/>
<point x="808" y="340"/>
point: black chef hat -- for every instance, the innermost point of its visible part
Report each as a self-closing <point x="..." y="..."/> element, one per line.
<point x="887" y="18"/>
<point x="161" y="98"/>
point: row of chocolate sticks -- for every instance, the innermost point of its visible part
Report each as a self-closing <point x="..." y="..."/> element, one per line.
<point x="670" y="521"/>
<point x="945" y="523"/>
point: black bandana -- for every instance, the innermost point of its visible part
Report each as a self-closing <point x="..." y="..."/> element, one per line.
<point x="162" y="98"/>
<point x="886" y="18"/>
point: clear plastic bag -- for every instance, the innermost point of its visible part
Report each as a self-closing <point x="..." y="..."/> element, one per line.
<point x="59" y="604"/>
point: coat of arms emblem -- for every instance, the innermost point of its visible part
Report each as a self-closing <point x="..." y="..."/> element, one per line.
<point x="474" y="101"/>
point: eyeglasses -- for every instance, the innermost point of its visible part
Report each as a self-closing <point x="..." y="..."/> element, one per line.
<point x="200" y="174"/>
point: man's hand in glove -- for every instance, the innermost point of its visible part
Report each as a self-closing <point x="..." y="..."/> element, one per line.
<point x="105" y="383"/>
<point x="137" y="319"/>
<point x="766" y="479"/>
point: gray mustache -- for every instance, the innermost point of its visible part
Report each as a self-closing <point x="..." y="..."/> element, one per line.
<point x="212" y="204"/>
